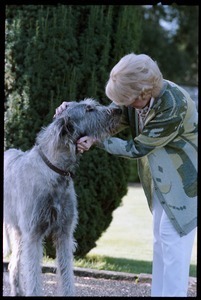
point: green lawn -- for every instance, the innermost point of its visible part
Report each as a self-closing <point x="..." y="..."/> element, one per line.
<point x="127" y="243"/>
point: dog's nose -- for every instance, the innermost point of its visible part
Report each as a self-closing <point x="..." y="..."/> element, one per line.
<point x="117" y="111"/>
<point x="114" y="111"/>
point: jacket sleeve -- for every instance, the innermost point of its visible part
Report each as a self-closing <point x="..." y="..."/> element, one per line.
<point x="158" y="131"/>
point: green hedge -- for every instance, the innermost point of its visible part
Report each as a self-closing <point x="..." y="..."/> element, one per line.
<point x="65" y="52"/>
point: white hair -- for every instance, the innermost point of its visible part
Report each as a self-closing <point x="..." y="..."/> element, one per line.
<point x="132" y="77"/>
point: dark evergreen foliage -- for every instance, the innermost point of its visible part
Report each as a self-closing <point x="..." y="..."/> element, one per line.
<point x="65" y="52"/>
<point x="175" y="50"/>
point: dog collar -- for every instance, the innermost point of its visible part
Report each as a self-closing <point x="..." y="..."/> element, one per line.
<point x="51" y="166"/>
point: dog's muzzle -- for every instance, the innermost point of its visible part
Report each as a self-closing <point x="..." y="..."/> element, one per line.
<point x="114" y="111"/>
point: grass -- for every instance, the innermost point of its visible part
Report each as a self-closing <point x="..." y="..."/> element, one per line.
<point x="126" y="246"/>
<point x="114" y="264"/>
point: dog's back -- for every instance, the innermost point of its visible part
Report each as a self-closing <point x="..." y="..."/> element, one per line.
<point x="12" y="166"/>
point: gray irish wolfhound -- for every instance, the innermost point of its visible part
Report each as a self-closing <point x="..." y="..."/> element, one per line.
<point x="39" y="195"/>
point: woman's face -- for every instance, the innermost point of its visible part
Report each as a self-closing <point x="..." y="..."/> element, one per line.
<point x="140" y="103"/>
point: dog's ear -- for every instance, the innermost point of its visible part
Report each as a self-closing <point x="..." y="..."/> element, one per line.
<point x="65" y="126"/>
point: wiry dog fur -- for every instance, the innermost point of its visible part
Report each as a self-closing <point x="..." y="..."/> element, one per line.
<point x="38" y="200"/>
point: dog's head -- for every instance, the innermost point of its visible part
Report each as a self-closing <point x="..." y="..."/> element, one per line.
<point x="88" y="117"/>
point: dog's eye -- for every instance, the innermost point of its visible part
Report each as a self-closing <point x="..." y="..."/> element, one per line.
<point x="89" y="108"/>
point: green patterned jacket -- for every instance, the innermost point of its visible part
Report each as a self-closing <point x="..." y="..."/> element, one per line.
<point x="166" y="151"/>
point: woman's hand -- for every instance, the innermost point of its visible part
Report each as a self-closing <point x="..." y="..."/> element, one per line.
<point x="61" y="108"/>
<point x="85" y="143"/>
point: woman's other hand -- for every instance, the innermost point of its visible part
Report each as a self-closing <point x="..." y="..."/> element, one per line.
<point x="61" y="108"/>
<point x="85" y="143"/>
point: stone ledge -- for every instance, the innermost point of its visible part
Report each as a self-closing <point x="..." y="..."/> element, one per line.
<point x="85" y="272"/>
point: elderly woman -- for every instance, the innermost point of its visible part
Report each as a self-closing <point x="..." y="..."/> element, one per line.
<point x="163" y="120"/>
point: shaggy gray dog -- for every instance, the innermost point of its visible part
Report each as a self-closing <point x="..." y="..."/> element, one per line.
<point x="39" y="195"/>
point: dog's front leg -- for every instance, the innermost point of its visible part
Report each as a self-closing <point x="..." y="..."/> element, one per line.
<point x="64" y="249"/>
<point x="32" y="255"/>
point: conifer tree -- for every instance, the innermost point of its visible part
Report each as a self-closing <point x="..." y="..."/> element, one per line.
<point x="65" y="52"/>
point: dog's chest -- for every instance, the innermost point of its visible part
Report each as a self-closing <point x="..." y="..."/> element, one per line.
<point x="59" y="207"/>
<point x="61" y="196"/>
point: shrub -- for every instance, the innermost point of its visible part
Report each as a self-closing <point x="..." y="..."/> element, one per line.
<point x="65" y="52"/>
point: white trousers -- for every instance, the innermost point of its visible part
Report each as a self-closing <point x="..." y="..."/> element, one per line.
<point x="171" y="256"/>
